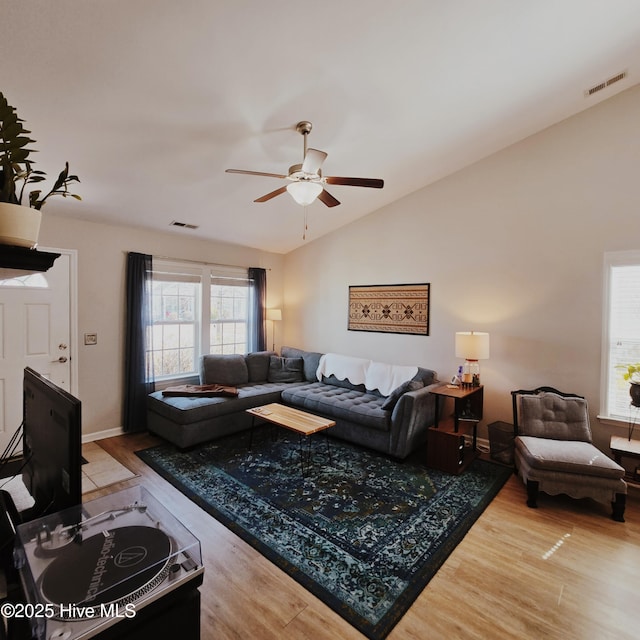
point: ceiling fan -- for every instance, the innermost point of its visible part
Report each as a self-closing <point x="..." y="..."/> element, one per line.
<point x="306" y="182"/>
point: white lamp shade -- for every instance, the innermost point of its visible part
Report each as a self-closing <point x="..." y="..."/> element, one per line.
<point x="304" y="193"/>
<point x="274" y="314"/>
<point x="472" y="345"/>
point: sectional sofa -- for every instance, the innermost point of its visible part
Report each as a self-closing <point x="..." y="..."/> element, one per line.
<point x="382" y="406"/>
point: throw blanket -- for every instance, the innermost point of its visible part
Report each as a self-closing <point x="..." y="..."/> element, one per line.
<point x="374" y="375"/>
<point x="200" y="390"/>
<point x="343" y="367"/>
<point x="386" y="377"/>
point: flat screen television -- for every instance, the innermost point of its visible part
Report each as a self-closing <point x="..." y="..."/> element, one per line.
<point x="52" y="446"/>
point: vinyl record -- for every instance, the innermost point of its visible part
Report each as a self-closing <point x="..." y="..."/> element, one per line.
<point x="114" y="566"/>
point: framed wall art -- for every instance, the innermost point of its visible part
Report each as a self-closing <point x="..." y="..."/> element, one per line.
<point x="390" y="308"/>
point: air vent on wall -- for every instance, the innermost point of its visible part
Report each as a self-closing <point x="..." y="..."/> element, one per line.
<point x="606" y="83"/>
<point x="184" y="225"/>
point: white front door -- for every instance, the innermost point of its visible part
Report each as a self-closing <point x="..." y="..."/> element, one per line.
<point x="35" y="331"/>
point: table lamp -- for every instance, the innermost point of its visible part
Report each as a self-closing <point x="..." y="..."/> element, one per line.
<point x="472" y="346"/>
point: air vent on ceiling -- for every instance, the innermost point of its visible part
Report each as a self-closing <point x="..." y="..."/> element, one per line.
<point x="606" y="83"/>
<point x="184" y="225"/>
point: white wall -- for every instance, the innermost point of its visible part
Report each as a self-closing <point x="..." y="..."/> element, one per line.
<point x="101" y="297"/>
<point x="512" y="245"/>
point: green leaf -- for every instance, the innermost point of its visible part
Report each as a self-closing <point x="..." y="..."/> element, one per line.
<point x="61" y="178"/>
<point x="11" y="130"/>
<point x="19" y="142"/>
<point x="19" y="155"/>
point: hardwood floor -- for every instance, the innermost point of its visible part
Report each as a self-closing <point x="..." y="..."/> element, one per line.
<point x="562" y="571"/>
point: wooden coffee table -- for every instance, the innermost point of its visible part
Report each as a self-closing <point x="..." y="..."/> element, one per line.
<point x="303" y="423"/>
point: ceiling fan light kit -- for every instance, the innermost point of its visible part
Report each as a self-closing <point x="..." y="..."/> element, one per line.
<point x="306" y="182"/>
<point x="304" y="193"/>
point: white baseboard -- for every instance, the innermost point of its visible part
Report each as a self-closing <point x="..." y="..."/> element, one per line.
<point x="100" y="435"/>
<point x="481" y="443"/>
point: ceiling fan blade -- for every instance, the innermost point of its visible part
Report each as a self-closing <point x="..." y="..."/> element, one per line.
<point x="374" y="183"/>
<point x="273" y="194"/>
<point x="313" y="160"/>
<point x="328" y="199"/>
<point x="255" y="173"/>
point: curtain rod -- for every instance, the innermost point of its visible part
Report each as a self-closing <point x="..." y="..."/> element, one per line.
<point x="202" y="262"/>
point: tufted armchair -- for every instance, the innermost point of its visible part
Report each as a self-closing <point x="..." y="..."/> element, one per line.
<point x="554" y="451"/>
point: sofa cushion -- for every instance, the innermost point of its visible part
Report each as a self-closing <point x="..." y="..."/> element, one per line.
<point x="567" y="456"/>
<point x="285" y="369"/>
<point x="426" y="376"/>
<point x="228" y="369"/>
<point x="311" y="361"/>
<point x="548" y="415"/>
<point x="258" y="365"/>
<point x="188" y="410"/>
<point x="339" y="403"/>
<point x="392" y="399"/>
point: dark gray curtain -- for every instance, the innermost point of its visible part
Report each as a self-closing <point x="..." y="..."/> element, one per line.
<point x="138" y="374"/>
<point x="257" y="313"/>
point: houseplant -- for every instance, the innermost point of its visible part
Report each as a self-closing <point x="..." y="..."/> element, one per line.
<point x="20" y="223"/>
<point x="632" y="375"/>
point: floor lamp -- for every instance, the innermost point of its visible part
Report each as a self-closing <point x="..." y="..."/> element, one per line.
<point x="275" y="315"/>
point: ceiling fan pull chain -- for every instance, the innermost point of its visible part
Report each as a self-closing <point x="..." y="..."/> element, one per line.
<point x="306" y="226"/>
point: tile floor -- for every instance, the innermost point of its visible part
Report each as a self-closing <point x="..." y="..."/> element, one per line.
<point x="101" y="469"/>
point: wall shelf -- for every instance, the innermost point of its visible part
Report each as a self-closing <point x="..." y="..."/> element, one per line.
<point x="26" y="259"/>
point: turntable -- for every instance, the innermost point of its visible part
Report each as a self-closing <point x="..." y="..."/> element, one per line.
<point x="105" y="562"/>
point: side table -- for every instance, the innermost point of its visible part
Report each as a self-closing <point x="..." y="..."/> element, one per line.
<point x="446" y="449"/>
<point x="625" y="448"/>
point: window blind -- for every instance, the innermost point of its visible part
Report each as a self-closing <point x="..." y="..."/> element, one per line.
<point x="621" y="341"/>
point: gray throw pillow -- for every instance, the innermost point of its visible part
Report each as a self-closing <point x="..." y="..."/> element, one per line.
<point x="311" y="361"/>
<point x="548" y="415"/>
<point x="395" y="395"/>
<point x="258" y="365"/>
<point x="228" y="369"/>
<point x="286" y="369"/>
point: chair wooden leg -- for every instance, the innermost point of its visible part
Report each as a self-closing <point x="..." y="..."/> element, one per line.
<point x="618" y="506"/>
<point x="532" y="494"/>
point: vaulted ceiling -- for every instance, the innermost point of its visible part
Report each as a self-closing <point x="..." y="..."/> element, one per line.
<point x="151" y="100"/>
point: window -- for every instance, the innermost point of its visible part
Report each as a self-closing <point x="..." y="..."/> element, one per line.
<point x="229" y="315"/>
<point x="29" y="281"/>
<point x="175" y="313"/>
<point x="621" y="330"/>
<point x="196" y="310"/>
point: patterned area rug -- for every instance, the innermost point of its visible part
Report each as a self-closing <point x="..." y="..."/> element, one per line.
<point x="362" y="532"/>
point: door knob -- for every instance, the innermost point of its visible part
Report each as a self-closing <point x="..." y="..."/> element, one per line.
<point x="61" y="360"/>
